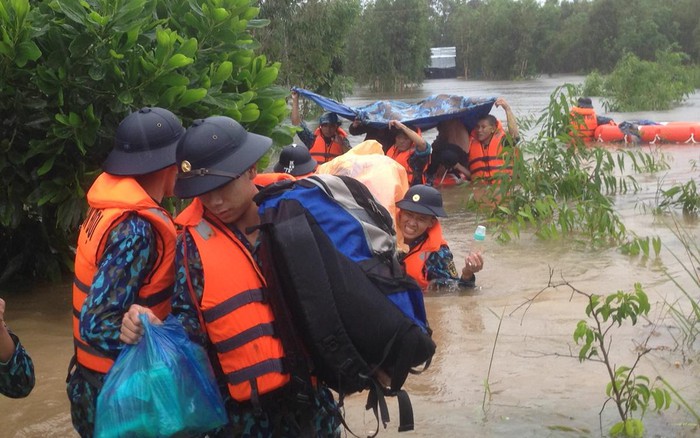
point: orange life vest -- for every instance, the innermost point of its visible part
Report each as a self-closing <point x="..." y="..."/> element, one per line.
<point x="484" y="162"/>
<point x="583" y="122"/>
<point x="265" y="179"/>
<point x="111" y="199"/>
<point x="402" y="157"/>
<point x="322" y="151"/>
<point x="416" y="257"/>
<point x="236" y="315"/>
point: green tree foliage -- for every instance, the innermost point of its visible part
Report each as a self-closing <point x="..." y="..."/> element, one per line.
<point x="629" y="86"/>
<point x="390" y="48"/>
<point x="70" y="70"/>
<point x="309" y="39"/>
<point x="630" y="392"/>
<point x="562" y="189"/>
<point x="499" y="39"/>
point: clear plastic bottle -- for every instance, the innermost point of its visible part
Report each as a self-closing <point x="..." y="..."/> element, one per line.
<point x="478" y="241"/>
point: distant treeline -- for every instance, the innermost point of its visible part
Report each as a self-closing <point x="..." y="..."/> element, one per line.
<point x="385" y="43"/>
<point x="505" y="39"/>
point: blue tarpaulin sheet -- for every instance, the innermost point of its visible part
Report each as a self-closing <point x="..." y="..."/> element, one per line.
<point x="425" y="114"/>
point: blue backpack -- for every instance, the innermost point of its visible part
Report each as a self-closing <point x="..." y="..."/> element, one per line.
<point x="328" y="251"/>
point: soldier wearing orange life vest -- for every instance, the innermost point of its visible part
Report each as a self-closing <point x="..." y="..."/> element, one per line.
<point x="584" y="120"/>
<point x="221" y="295"/>
<point x="125" y="251"/>
<point x="411" y="151"/>
<point x="429" y="257"/>
<point x="487" y="142"/>
<point x="327" y="141"/>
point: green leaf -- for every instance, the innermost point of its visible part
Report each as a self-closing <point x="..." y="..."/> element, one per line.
<point x="73" y="10"/>
<point x="168" y="98"/>
<point x="189" y="47"/>
<point x="179" y="60"/>
<point x="191" y="96"/>
<point x="266" y="77"/>
<point x="115" y="55"/>
<point x="220" y="14"/>
<point x="222" y="73"/>
<point x="617" y="429"/>
<point x="81" y="44"/>
<point x="46" y="166"/>
<point x="26" y="51"/>
<point x="125" y="97"/>
<point x="74" y="120"/>
<point x="634" y="428"/>
<point x="6" y="49"/>
<point x="173" y="79"/>
<point x="97" y="72"/>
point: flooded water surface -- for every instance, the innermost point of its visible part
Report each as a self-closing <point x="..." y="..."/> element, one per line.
<point x="505" y="366"/>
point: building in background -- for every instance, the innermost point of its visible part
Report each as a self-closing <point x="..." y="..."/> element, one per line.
<point x="442" y="63"/>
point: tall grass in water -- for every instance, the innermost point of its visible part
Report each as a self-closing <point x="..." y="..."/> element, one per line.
<point x="686" y="312"/>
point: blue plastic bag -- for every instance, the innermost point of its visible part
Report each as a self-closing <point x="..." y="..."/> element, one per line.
<point x="160" y="387"/>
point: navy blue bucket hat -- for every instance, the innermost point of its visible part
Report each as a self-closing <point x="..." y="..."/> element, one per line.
<point x="424" y="200"/>
<point x="213" y="152"/>
<point x="295" y="160"/>
<point x="145" y="142"/>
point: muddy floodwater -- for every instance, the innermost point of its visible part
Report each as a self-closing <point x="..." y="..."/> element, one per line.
<point x="505" y="366"/>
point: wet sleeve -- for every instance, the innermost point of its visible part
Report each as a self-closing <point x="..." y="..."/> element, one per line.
<point x="440" y="267"/>
<point x="17" y="374"/>
<point x="426" y="153"/>
<point x="306" y="136"/>
<point x="357" y="130"/>
<point x="128" y="259"/>
<point x="183" y="308"/>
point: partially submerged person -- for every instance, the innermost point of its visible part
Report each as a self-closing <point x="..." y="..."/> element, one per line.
<point x="452" y="131"/>
<point x="386" y="137"/>
<point x="448" y="166"/>
<point x="328" y="141"/>
<point x="220" y="289"/>
<point x="429" y="258"/>
<point x="488" y="142"/>
<point x="125" y="253"/>
<point x="16" y="367"/>
<point x="584" y="120"/>
<point x="411" y="151"/>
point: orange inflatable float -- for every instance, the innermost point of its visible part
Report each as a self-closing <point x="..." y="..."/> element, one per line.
<point x="672" y="132"/>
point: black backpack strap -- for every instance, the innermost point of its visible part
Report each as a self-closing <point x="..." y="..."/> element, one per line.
<point x="296" y="250"/>
<point x="297" y="362"/>
<point x="377" y="402"/>
<point x="405" y="411"/>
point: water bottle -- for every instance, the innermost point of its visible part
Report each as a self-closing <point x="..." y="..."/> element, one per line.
<point x="478" y="242"/>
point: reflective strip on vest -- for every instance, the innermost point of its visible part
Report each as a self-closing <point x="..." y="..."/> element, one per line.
<point x="233" y="303"/>
<point x="259" y="369"/>
<point x="244" y="337"/>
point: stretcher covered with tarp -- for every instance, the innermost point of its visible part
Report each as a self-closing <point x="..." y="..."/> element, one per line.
<point x="425" y="114"/>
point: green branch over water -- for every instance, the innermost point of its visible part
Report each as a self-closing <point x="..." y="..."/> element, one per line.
<point x="563" y="188"/>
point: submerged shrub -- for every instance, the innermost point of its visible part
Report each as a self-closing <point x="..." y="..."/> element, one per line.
<point x="637" y="85"/>
<point x="593" y="85"/>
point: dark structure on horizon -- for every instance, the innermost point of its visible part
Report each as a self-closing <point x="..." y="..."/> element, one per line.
<point x="442" y="63"/>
